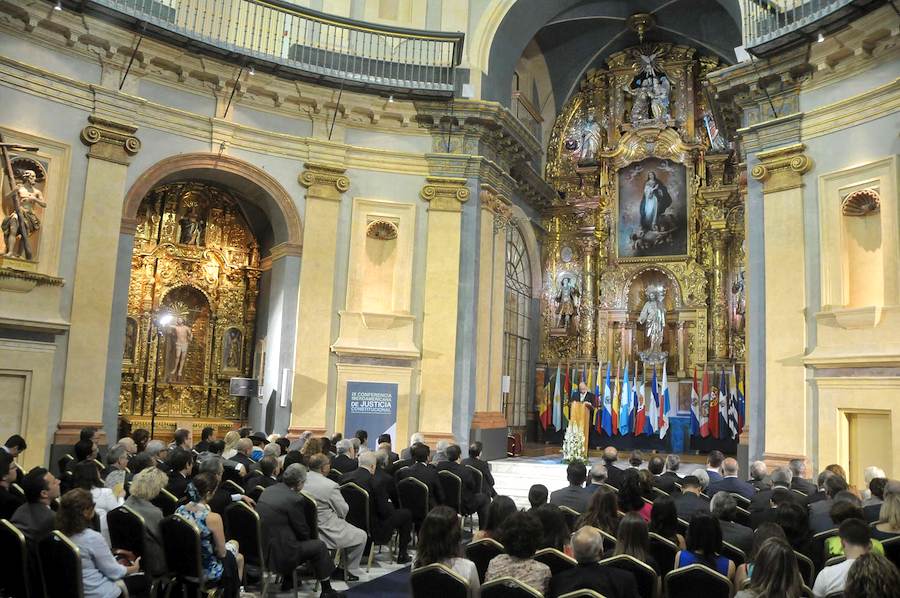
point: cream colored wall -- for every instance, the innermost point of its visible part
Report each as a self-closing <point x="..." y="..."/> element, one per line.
<point x="26" y="376"/>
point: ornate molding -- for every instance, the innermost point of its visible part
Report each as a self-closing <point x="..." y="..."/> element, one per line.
<point x="861" y="202"/>
<point x="110" y="140"/>
<point x="446" y="194"/>
<point x="325" y="175"/>
<point x="638" y="144"/>
<point x="496" y="204"/>
<point x="22" y="281"/>
<point x="782" y="168"/>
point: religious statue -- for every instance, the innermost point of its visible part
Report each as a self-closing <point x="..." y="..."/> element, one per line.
<point x="130" y="338"/>
<point x="740" y="302"/>
<point x="565" y="299"/>
<point x="183" y="337"/>
<point x="27" y="195"/>
<point x="190" y="228"/>
<point x="590" y="140"/>
<point x="653" y="317"/>
<point x="659" y="98"/>
<point x="654" y="202"/>
<point x="648" y="64"/>
<point x="233" y="349"/>
<point x="641" y="94"/>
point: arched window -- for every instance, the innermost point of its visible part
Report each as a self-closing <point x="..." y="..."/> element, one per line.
<point x="517" y="328"/>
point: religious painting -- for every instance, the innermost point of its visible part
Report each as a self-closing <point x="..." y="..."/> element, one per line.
<point x="652" y="209"/>
<point x="231" y="349"/>
<point x="684" y="398"/>
<point x="130" y="339"/>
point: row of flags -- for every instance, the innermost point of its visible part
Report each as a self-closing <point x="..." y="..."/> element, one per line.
<point x="621" y="407"/>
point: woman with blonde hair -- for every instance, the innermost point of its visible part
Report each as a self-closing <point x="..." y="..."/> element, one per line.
<point x="231" y="440"/>
<point x="146" y="486"/>
<point x="888" y="525"/>
<point x="311" y="447"/>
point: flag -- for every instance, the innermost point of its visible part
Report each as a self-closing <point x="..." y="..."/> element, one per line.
<point x="664" y="406"/>
<point x="567" y="393"/>
<point x="733" y="413"/>
<point x="653" y="411"/>
<point x="598" y="399"/>
<point x="639" y="414"/>
<point x="625" y="405"/>
<point x="714" y="407"/>
<point x="646" y="423"/>
<point x="607" y="405"/>
<point x="545" y="411"/>
<point x="557" y="404"/>
<point x="705" y="405"/>
<point x="723" y="405"/>
<point x="695" y="407"/>
<point x="742" y="401"/>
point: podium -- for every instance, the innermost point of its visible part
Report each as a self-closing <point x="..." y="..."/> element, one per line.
<point x="580" y="416"/>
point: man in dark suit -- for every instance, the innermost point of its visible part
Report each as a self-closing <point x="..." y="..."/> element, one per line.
<point x="689" y="501"/>
<point x="182" y="463"/>
<point x="385" y="518"/>
<point x="9" y="502"/>
<point x="207" y="435"/>
<point x="724" y="508"/>
<point x="475" y="461"/>
<point x="386" y="438"/>
<point x="597" y="478"/>
<point x="822" y="522"/>
<point x="833" y="485"/>
<point x="730" y="481"/>
<point x="424" y="473"/>
<point x="266" y="476"/>
<point x="799" y="481"/>
<point x="820" y="494"/>
<point x="345" y="461"/>
<point x="244" y="449"/>
<point x="473" y="501"/>
<point x="575" y="495"/>
<point x="35" y="519"/>
<point x="583" y="394"/>
<point x="286" y="534"/>
<point x="761" y="505"/>
<point x="587" y="545"/>
<point x="613" y="474"/>
<point x="714" y="464"/>
<point x="759" y="476"/>
<point x="667" y="480"/>
<point x="383" y="476"/>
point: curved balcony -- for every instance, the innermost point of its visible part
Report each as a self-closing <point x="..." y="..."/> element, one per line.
<point x="293" y="41"/>
<point x="773" y="25"/>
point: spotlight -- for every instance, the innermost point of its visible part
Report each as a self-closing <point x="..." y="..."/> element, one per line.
<point x="164" y="319"/>
<point x="251" y="71"/>
<point x="391" y="99"/>
<point x="58" y="5"/>
<point x="821" y="38"/>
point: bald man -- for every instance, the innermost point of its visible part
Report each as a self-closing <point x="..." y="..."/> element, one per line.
<point x="589" y="574"/>
<point x="730" y="481"/>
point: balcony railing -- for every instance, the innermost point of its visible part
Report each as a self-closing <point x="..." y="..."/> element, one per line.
<point x="771" y="25"/>
<point x="292" y="40"/>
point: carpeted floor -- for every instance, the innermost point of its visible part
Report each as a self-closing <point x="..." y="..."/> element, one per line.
<point x="394" y="584"/>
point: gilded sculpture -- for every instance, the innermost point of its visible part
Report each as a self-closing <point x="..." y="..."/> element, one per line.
<point x="653" y="319"/>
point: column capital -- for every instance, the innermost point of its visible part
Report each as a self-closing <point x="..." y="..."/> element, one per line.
<point x="782" y="168"/>
<point x="327" y="175"/>
<point x="446" y="194"/>
<point x="110" y="140"/>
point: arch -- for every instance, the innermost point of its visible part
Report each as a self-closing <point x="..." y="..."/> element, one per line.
<point x="673" y="280"/>
<point x="251" y="182"/>
<point x="523" y="223"/>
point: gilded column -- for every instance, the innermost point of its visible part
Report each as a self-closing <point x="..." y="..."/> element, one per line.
<point x="111" y="145"/>
<point x="718" y="291"/>
<point x="588" y="300"/>
<point x="781" y="173"/>
<point x="445" y="196"/>
<point x="326" y="184"/>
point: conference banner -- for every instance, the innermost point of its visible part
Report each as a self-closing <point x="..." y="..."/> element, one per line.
<point x="371" y="406"/>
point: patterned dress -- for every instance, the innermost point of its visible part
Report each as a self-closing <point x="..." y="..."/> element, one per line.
<point x="529" y="571"/>
<point x="197" y="512"/>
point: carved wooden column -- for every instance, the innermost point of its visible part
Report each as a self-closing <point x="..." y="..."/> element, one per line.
<point x="719" y="291"/>
<point x="588" y="308"/>
<point x="679" y="331"/>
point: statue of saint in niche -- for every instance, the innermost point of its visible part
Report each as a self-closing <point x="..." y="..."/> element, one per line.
<point x="27" y="195"/>
<point x="190" y="228"/>
<point x="566" y="299"/>
<point x="183" y="337"/>
<point x="232" y="349"/>
<point x="740" y="302"/>
<point x="130" y="339"/>
<point x="653" y="318"/>
<point x="590" y="140"/>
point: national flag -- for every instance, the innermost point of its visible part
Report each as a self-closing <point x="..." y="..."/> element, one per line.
<point x="714" y="407"/>
<point x="625" y="405"/>
<point x="653" y="412"/>
<point x="615" y="402"/>
<point x="724" y="400"/>
<point x="598" y="399"/>
<point x="545" y="409"/>
<point x="567" y="393"/>
<point x="646" y="422"/>
<point x="557" y="404"/>
<point x="742" y="402"/>
<point x="606" y="424"/>
<point x="639" y="414"/>
<point x="664" y="406"/>
<point x="733" y="405"/>
<point x="704" y="405"/>
<point x="695" y="407"/>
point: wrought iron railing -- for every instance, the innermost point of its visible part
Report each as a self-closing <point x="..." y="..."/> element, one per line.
<point x="773" y="24"/>
<point x="307" y="43"/>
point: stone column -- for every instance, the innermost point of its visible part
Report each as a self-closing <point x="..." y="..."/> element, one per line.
<point x="111" y="146"/>
<point x="325" y="185"/>
<point x="781" y="173"/>
<point x="588" y="299"/>
<point x="445" y="196"/>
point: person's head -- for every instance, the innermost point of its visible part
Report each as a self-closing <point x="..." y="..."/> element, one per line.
<point x="855" y="537"/>
<point x="7" y="469"/>
<point x="630" y="492"/>
<point x="704" y="535"/>
<point x="148" y="483"/>
<point x="793" y="520"/>
<point x="416" y="438"/>
<point x="294" y="476"/>
<point x="871" y="472"/>
<point x="128" y="443"/>
<point x="182" y="461"/>
<point x="602" y="512"/>
<point x="758" y="470"/>
<point x="336" y="438"/>
<point x="268" y="466"/>
<point x="453" y="452"/>
<point x="553" y="523"/>
<point x="40" y="486"/>
<point x="890" y="510"/>
<point x="835" y="485"/>
<point x="537" y="495"/>
<point x="140" y="436"/>
<point x="345" y="447"/>
<point x="798" y="468"/>
<point x="157" y="449"/>
<point x="140" y="462"/>
<point x="763" y="533"/>
<point x="439" y="537"/>
<point x="84" y="450"/>
<point x="183" y="438"/>
<point x="208" y="434"/>
<point x="116" y="457"/>
<point x="723" y="506"/>
<point x="284" y="443"/>
<point x="702" y="478"/>
<point x="362" y="436"/>
<point x="837" y="470"/>
<point x="782" y="476"/>
<point x="842" y="508"/>
<point x="382" y="438"/>
<point x="272" y="450"/>
<point x="231" y="439"/>
<point x="383" y="458"/>
<point x="76" y="510"/>
<point x="822" y="478"/>
<point x="368" y="460"/>
<point x="475" y="449"/>
<point x="441" y="446"/>
<point x="521" y="534"/>
<point x="872" y="575"/>
<point x="214" y="465"/>
<point x="775" y="570"/>
<point x="730" y="467"/>
<point x="501" y="508"/>
<point x="632" y="537"/>
<point x="292" y="457"/>
<point x="673" y="462"/>
<point x="205" y="484"/>
<point x="217" y="447"/>
<point x="89" y="433"/>
<point x="610" y="455"/>
<point x="636" y="459"/>
<point x="86" y="475"/>
<point x="690" y="483"/>
<point x="311" y="447"/>
<point x="656" y="465"/>
<point x="598" y="473"/>
<point x="714" y="459"/>
<point x="876" y="487"/>
<point x="244" y="446"/>
<point x="319" y="463"/>
<point x="582" y="387"/>
<point x="587" y="545"/>
<point x="15" y="444"/>
<point x="664" y="517"/>
<point x="576" y="473"/>
<point x="419" y="452"/>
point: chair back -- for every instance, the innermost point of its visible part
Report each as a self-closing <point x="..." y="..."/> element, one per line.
<point x="609" y="540"/>
<point x="126" y="530"/>
<point x="570" y="515"/>
<point x="359" y="513"/>
<point x="61" y="561"/>
<point x="644" y="575"/>
<point x="14" y="564"/>
<point x="166" y="501"/>
<point x="452" y="485"/>
<point x="663" y="551"/>
<point x="242" y="524"/>
<point x="311" y="512"/>
<point x="400" y="464"/>
<point x="556" y="560"/>
<point x="508" y="587"/>
<point x="892" y="549"/>
<point x="741" y="500"/>
<point x="232" y="487"/>
<point x="835" y="560"/>
<point x="807" y="568"/>
<point x="63" y="463"/>
<point x="413" y="495"/>
<point x="481" y="552"/>
<point x="742" y="517"/>
<point x="335" y="475"/>
<point x="697" y="580"/>
<point x="16" y="490"/>
<point x="734" y="553"/>
<point x="181" y="543"/>
<point x="479" y="477"/>
<point x="582" y="594"/>
<point x="437" y="580"/>
<point x="256" y="492"/>
<point x="658" y="493"/>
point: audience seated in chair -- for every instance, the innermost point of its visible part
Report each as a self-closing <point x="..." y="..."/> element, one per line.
<point x="223" y="496"/>
<point x="775" y="572"/>
<point x="730" y="482"/>
<point x="602" y="512"/>
<point x="501" y="508"/>
<point x="856" y="541"/>
<point x="714" y="465"/>
<point x="265" y="476"/>
<point x="145" y="486"/>
<point x="520" y="535"/>
<point x="631" y="494"/>
<point x="575" y="495"/>
<point x="9" y="501"/>
<point x="872" y="576"/>
<point x="556" y="530"/>
<point x="841" y="511"/>
<point x="762" y="503"/>
<point x="117" y="474"/>
<point x="888" y="525"/>
<point x="704" y="545"/>
<point x="664" y="520"/>
<point x="872" y="504"/>
<point x="613" y="473"/>
<point x="669" y="481"/>
<point x="181" y="462"/>
<point x="207" y="435"/>
<point x="799" y="482"/>
<point x="723" y="507"/>
<point x="764" y="532"/>
<point x="439" y="542"/>
<point x="86" y="475"/>
<point x="587" y="546"/>
<point x="35" y="519"/>
<point x="689" y="502"/>
<point x="159" y="452"/>
<point x="473" y="501"/>
<point x="537" y="496"/>
<point x="481" y="465"/>
<point x="424" y="473"/>
<point x="793" y="520"/>
<point x="759" y="476"/>
<point x="634" y="540"/>
<point x="596" y="477"/>
<point x="345" y="461"/>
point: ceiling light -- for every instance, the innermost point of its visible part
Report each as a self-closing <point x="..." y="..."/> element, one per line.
<point x="251" y="71"/>
<point x="391" y="99"/>
<point x="821" y="38"/>
<point x="58" y="5"/>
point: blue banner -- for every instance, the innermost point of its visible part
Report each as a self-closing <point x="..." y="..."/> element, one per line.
<point x="371" y="406"/>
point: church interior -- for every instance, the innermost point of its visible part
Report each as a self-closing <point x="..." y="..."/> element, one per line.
<point x="556" y="231"/>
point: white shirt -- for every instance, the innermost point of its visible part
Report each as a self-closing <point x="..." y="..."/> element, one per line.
<point x="832" y="579"/>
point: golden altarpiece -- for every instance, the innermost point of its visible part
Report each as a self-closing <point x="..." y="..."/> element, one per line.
<point x="649" y="199"/>
<point x="191" y="308"/>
